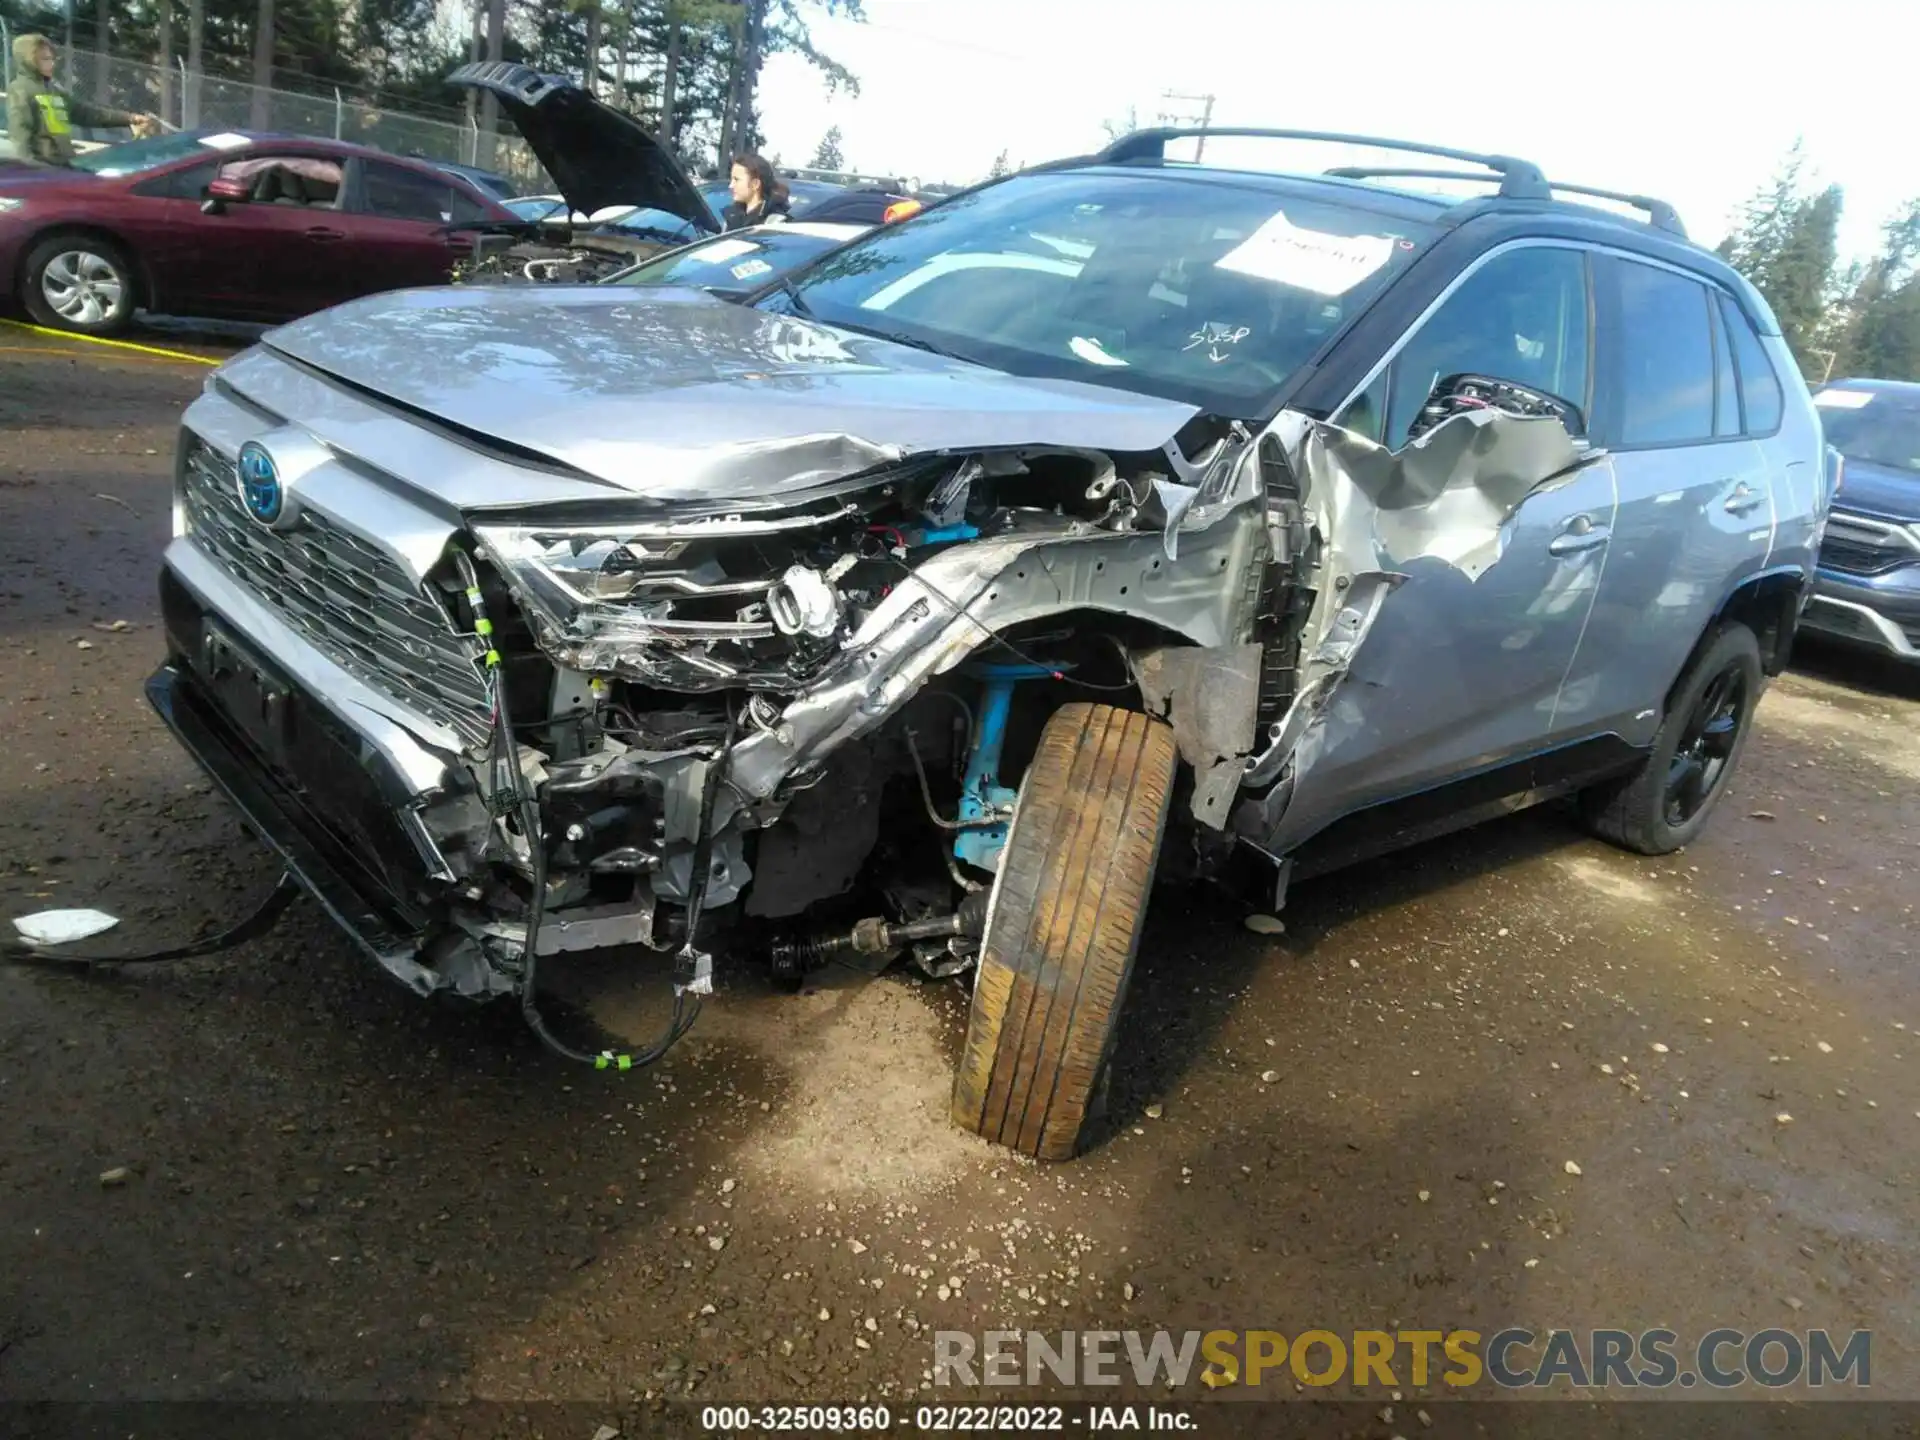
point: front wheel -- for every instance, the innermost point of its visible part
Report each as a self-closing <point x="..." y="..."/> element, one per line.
<point x="1665" y="803"/>
<point x="79" y="283"/>
<point x="1063" y="926"/>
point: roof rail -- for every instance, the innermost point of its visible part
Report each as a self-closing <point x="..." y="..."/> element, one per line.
<point x="1519" y="179"/>
<point x="1659" y="213"/>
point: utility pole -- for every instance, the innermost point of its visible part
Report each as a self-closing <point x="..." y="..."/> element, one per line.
<point x="1186" y="116"/>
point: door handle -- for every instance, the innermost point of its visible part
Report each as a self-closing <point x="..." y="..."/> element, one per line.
<point x="1581" y="534"/>
<point x="1743" y="499"/>
<point x="322" y="232"/>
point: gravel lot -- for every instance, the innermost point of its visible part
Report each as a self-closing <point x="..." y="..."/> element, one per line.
<point x="333" y="1191"/>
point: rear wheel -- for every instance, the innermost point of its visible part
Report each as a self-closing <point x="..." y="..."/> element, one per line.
<point x="79" y="283"/>
<point x="1665" y="803"/>
<point x="1063" y="927"/>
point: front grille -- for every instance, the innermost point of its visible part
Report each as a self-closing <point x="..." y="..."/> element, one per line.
<point x="349" y="599"/>
<point x="1861" y="546"/>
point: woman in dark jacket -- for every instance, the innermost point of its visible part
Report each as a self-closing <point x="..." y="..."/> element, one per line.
<point x="759" y="197"/>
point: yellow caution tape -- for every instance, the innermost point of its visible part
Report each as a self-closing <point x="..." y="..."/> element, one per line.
<point x="112" y="344"/>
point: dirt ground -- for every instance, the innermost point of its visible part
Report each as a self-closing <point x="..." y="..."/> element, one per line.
<point x="1511" y="1078"/>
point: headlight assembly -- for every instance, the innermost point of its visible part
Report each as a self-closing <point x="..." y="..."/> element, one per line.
<point x="683" y="602"/>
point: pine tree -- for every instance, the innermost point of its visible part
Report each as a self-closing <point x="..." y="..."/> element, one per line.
<point x="1001" y="166"/>
<point x="1879" y="331"/>
<point x="828" y="155"/>
<point x="1786" y="245"/>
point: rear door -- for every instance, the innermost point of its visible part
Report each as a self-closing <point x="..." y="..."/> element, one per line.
<point x="1696" y="500"/>
<point x="402" y="227"/>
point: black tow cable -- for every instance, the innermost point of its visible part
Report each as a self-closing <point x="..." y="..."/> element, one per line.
<point x="28" y="952"/>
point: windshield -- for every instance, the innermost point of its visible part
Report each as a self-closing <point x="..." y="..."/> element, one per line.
<point x="737" y="263"/>
<point x="651" y="224"/>
<point x="134" y="156"/>
<point x="538" y="207"/>
<point x="1197" y="289"/>
<point x="1872" y="427"/>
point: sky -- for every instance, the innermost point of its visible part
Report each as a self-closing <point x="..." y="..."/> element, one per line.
<point x="1694" y="101"/>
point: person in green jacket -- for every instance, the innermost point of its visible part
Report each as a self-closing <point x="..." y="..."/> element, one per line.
<point x="40" y="119"/>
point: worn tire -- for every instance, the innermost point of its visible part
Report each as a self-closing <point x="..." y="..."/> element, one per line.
<point x="1632" y="812"/>
<point x="93" y="265"/>
<point x="1063" y="926"/>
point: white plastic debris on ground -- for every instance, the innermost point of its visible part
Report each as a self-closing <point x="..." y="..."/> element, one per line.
<point x="61" y="927"/>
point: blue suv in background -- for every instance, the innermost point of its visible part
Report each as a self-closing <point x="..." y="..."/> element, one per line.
<point x="1868" y="586"/>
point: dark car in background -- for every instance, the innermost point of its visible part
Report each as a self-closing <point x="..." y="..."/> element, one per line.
<point x="1868" y="586"/>
<point x="489" y="182"/>
<point x="233" y="224"/>
<point x="622" y="199"/>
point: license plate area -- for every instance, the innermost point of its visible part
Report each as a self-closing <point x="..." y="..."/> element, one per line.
<point x="256" y="702"/>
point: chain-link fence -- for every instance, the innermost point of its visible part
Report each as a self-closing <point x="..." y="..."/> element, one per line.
<point x="190" y="102"/>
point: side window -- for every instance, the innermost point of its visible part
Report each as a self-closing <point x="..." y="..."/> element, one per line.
<point x="1522" y="316"/>
<point x="400" y="194"/>
<point x="294" y="180"/>
<point x="187" y="184"/>
<point x="1726" y="387"/>
<point x="1665" y="356"/>
<point x="1759" y="386"/>
<point x="465" y="209"/>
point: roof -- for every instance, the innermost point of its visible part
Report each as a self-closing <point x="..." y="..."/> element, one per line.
<point x="1516" y="180"/>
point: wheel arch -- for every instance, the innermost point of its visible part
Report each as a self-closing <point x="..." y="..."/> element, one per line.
<point x="1767" y="604"/>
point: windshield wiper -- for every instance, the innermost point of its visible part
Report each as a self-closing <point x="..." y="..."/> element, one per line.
<point x="792" y="292"/>
<point x="912" y="342"/>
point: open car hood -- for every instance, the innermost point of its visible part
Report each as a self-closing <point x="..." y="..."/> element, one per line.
<point x="597" y="156"/>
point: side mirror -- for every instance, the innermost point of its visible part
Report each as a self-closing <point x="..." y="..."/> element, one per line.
<point x="222" y="193"/>
<point x="1456" y="393"/>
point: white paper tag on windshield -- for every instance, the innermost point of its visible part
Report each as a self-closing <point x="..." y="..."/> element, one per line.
<point x="1843" y="399"/>
<point x="722" y="251"/>
<point x="1091" y="351"/>
<point x="747" y="269"/>
<point x="225" y="140"/>
<point x="1307" y="259"/>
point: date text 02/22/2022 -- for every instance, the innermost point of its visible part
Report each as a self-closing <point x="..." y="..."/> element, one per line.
<point x="942" y="1419"/>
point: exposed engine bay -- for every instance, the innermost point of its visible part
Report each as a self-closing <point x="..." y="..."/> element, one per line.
<point x="741" y="712"/>
<point x="550" y="254"/>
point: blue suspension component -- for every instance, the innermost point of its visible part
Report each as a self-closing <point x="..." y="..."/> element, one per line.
<point x="982" y="796"/>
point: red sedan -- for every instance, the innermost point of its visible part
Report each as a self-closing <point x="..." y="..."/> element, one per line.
<point x="227" y="224"/>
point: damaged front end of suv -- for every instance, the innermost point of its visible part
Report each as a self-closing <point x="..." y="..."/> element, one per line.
<point x="928" y="608"/>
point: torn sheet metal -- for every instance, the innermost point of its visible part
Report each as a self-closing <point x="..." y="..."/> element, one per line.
<point x="1447" y="494"/>
<point x="1210" y="697"/>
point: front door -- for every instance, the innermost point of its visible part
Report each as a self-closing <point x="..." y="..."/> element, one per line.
<point x="1463" y="666"/>
<point x="277" y="254"/>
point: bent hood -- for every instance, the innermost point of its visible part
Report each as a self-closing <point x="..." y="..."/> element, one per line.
<point x="598" y="156"/>
<point x="672" y="394"/>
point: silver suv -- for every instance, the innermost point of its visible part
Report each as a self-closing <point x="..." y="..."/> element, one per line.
<point x="1118" y="520"/>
